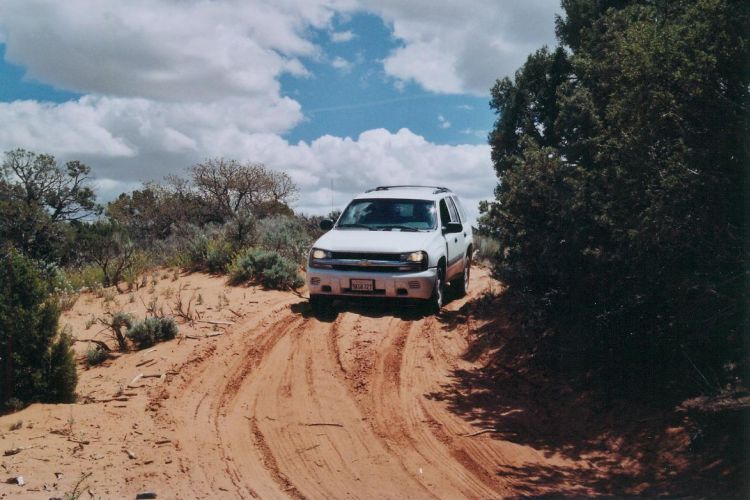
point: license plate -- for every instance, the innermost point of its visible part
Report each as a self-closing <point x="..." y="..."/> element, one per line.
<point x="362" y="285"/>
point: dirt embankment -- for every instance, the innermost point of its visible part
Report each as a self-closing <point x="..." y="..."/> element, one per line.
<point x="259" y="399"/>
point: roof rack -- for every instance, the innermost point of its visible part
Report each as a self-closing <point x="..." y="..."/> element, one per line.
<point x="437" y="189"/>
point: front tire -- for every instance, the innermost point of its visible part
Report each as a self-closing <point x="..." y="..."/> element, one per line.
<point x="435" y="302"/>
<point x="461" y="285"/>
<point x="320" y="305"/>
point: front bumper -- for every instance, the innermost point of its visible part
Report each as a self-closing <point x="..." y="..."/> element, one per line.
<point x="405" y="285"/>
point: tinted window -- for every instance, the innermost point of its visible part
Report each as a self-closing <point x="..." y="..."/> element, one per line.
<point x="389" y="214"/>
<point x="445" y="216"/>
<point x="460" y="208"/>
<point x="452" y="210"/>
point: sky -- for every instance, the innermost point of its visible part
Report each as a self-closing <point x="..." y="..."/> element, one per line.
<point x="344" y="95"/>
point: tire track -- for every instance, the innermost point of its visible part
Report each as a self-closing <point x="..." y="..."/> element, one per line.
<point x="210" y="379"/>
<point x="318" y="441"/>
<point x="251" y="359"/>
<point x="308" y="409"/>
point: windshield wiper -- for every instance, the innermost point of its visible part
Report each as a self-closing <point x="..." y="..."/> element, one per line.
<point x="403" y="228"/>
<point x="354" y="224"/>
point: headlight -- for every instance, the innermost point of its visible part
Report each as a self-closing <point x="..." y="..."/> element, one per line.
<point x="415" y="257"/>
<point x="318" y="254"/>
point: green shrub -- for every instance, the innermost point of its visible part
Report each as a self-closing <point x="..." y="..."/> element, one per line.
<point x="621" y="207"/>
<point x="66" y="294"/>
<point x="140" y="263"/>
<point x="286" y="235"/>
<point x="89" y="276"/>
<point x="152" y="330"/>
<point x="179" y="259"/>
<point x="37" y="363"/>
<point x="62" y="377"/>
<point x="95" y="355"/>
<point x="243" y="266"/>
<point x="209" y="252"/>
<point x="218" y="255"/>
<point x="266" y="268"/>
<point x="486" y="248"/>
<point x="117" y="322"/>
<point x="281" y="275"/>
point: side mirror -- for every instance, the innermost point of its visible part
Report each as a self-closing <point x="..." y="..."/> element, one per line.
<point x="453" y="227"/>
<point x="326" y="224"/>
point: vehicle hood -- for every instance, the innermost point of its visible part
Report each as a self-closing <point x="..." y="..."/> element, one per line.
<point x="355" y="240"/>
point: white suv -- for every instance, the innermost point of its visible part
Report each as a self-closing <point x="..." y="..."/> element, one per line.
<point x="393" y="241"/>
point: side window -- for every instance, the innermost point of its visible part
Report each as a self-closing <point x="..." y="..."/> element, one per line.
<point x="445" y="216"/>
<point x="460" y="208"/>
<point x="453" y="211"/>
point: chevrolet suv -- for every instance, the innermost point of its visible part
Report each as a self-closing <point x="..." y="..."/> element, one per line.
<point x="405" y="242"/>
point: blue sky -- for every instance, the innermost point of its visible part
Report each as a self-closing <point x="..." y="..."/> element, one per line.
<point x="358" y="95"/>
<point x="13" y="85"/>
<point x="349" y="93"/>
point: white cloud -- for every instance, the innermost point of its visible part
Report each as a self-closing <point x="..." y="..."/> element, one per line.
<point x="457" y="47"/>
<point x="482" y="134"/>
<point x="140" y="135"/>
<point x="126" y="141"/>
<point x="170" y="83"/>
<point x="341" y="64"/>
<point x="341" y="36"/>
<point x="204" y="50"/>
<point x="443" y="122"/>
<point x="376" y="157"/>
<point x="162" y="49"/>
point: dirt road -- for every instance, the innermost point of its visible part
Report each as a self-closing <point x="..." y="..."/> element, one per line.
<point x="280" y="405"/>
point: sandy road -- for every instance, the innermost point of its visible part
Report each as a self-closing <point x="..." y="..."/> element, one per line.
<point x="291" y="406"/>
<point x="281" y="405"/>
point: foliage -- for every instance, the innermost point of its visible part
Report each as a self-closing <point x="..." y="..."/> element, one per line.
<point x="95" y="355"/>
<point x="118" y="323"/>
<point x="62" y="377"/>
<point x="266" y="268"/>
<point x="85" y="276"/>
<point x="37" y="363"/>
<point x="108" y="244"/>
<point x="209" y="250"/>
<point x="486" y="248"/>
<point x="140" y="262"/>
<point x="156" y="211"/>
<point x="285" y="235"/>
<point x="239" y="193"/>
<point x="38" y="198"/>
<point x="620" y="206"/>
<point x="152" y="330"/>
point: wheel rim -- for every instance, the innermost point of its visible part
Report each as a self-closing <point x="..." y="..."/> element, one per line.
<point x="439" y="291"/>
<point x="467" y="275"/>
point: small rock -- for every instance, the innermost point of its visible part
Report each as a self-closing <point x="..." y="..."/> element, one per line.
<point x="145" y="494"/>
<point x="16" y="480"/>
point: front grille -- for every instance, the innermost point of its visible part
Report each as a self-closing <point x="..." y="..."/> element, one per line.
<point x="373" y="269"/>
<point x="366" y="256"/>
<point x="373" y="262"/>
<point x="414" y="285"/>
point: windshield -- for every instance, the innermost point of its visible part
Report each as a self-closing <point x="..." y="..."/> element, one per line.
<point x="389" y="214"/>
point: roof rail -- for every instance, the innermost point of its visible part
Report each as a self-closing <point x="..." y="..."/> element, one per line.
<point x="438" y="189"/>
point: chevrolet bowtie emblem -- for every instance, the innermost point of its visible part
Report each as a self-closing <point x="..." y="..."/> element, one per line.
<point x="364" y="263"/>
